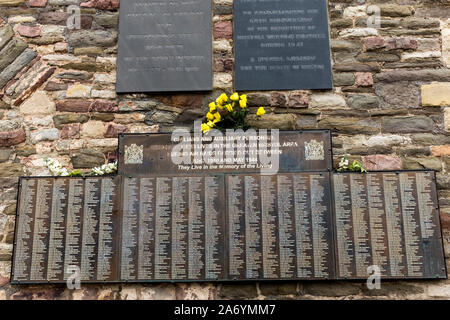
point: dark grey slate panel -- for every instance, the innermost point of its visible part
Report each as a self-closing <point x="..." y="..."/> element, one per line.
<point x="281" y="45"/>
<point x="164" y="46"/>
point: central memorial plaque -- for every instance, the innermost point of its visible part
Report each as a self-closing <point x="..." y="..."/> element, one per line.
<point x="281" y="45"/>
<point x="144" y="154"/>
<point x="164" y="46"/>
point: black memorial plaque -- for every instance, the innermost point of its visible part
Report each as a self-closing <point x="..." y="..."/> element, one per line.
<point x="149" y="154"/>
<point x="389" y="220"/>
<point x="279" y="227"/>
<point x="281" y="45"/>
<point x="173" y="228"/>
<point x="164" y="46"/>
<point x="64" y="224"/>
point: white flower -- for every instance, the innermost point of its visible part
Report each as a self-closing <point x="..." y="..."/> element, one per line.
<point x="344" y="162"/>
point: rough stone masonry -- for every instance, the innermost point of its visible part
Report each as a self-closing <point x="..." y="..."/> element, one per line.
<point x="390" y="108"/>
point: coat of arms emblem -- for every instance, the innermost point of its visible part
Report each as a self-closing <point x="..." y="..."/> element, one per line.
<point x="134" y="154"/>
<point x="314" y="150"/>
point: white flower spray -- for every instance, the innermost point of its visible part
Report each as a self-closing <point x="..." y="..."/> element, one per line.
<point x="57" y="169"/>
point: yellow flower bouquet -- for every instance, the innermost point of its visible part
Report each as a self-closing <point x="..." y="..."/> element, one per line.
<point x="228" y="113"/>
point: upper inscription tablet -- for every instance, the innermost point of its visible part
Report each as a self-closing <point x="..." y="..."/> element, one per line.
<point x="281" y="45"/>
<point x="164" y="46"/>
<point x="284" y="151"/>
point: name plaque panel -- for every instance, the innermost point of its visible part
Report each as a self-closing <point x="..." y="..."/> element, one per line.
<point x="65" y="225"/>
<point x="164" y="46"/>
<point x="389" y="220"/>
<point x="295" y="151"/>
<point x="228" y="227"/>
<point x="173" y="228"/>
<point x="281" y="45"/>
<point x="279" y="227"/>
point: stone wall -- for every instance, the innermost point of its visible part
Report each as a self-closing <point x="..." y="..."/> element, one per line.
<point x="390" y="108"/>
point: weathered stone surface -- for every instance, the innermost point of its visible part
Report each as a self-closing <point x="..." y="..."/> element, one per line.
<point x="271" y="289"/>
<point x="5" y="251"/>
<point x="400" y="94"/>
<point x="44" y="135"/>
<point x="377" y="57"/>
<point x="394" y="289"/>
<point x="350" y="125"/>
<point x="382" y="162"/>
<point x="272" y="121"/>
<point x="425" y="75"/>
<point x="37" y="3"/>
<point x="327" y="100"/>
<point x="38" y="104"/>
<point x="298" y="99"/>
<point x="223" y="29"/>
<point x="11" y="70"/>
<point x="61" y="119"/>
<point x="29" y="31"/>
<point x="11" y="51"/>
<point x="392" y="10"/>
<point x="363" y="79"/>
<point x="25" y="151"/>
<point x="430" y="139"/>
<point x="436" y="94"/>
<point x="422" y="163"/>
<point x="343" y="79"/>
<point x="6" y="33"/>
<point x="408" y="124"/>
<point x="345" y="45"/>
<point x="445" y="46"/>
<point x="10" y="138"/>
<point x="78" y="91"/>
<point x="439" y="151"/>
<point x="73" y="105"/>
<point x="93" y="129"/>
<point x="53" y="17"/>
<point x="70" y="131"/>
<point x="238" y="291"/>
<point x="331" y="289"/>
<point x="114" y="130"/>
<point x="357" y="66"/>
<point x="55" y="86"/>
<point x="103" y="106"/>
<point x="363" y="101"/>
<point x="74" y="75"/>
<point x="92" y="38"/>
<point x="102" y="4"/>
<point x="11" y="170"/>
<point x="87" y="158"/>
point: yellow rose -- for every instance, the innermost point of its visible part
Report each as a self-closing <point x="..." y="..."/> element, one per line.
<point x="209" y="116"/>
<point x="243" y="103"/>
<point x="224" y="97"/>
<point x="217" y="117"/>
<point x="210" y="124"/>
<point x="205" y="127"/>
<point x="221" y="99"/>
<point x="234" y="96"/>
<point x="244" y="97"/>
<point x="260" y="111"/>
<point x="212" y="107"/>
<point x="229" y="107"/>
